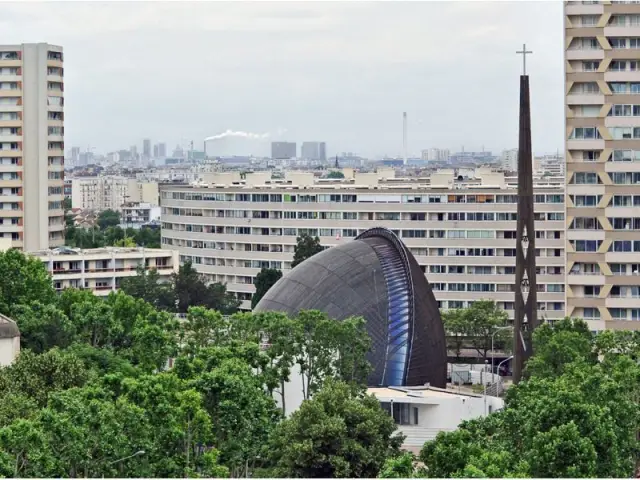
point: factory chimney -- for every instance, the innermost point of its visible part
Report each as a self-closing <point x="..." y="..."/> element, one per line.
<point x="404" y="136"/>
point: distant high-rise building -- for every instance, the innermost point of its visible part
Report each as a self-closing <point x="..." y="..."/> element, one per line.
<point x="155" y="151"/>
<point x="146" y="148"/>
<point x="509" y="160"/>
<point x="162" y="150"/>
<point x="283" y="150"/>
<point x="32" y="145"/>
<point x="316" y="151"/>
<point x="75" y="155"/>
<point x="435" y="155"/>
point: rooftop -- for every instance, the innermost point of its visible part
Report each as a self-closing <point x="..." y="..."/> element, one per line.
<point x="8" y="328"/>
<point x="415" y="394"/>
<point x="483" y="178"/>
<point x="94" y="251"/>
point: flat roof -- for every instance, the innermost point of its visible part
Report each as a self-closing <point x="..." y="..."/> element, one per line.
<point x="416" y="393"/>
<point x="97" y="251"/>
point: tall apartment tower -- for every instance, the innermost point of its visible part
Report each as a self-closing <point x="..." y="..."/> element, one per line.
<point x="31" y="146"/>
<point x="602" y="69"/>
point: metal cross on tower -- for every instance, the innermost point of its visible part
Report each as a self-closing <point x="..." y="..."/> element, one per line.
<point x="524" y="53"/>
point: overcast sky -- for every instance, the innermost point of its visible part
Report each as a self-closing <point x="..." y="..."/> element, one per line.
<point x="341" y="72"/>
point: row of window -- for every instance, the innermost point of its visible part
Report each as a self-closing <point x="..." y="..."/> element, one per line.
<point x="618" y="178"/>
<point x="619" y="246"/>
<point x="616" y="156"/>
<point x="492" y="287"/>
<point x="348" y="198"/>
<point x="438" y="252"/>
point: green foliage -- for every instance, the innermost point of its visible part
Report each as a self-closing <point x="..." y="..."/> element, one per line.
<point x="266" y="278"/>
<point x="190" y="290"/>
<point x="473" y="327"/>
<point x="108" y="218"/>
<point x="401" y="466"/>
<point x="573" y="416"/>
<point x="335" y="174"/>
<point x="336" y="434"/>
<point x="90" y="390"/>
<point x="187" y="288"/>
<point x="148" y="237"/>
<point x="306" y="247"/>
<point x="24" y="280"/>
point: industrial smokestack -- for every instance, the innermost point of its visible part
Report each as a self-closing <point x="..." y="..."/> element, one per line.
<point x="404" y="136"/>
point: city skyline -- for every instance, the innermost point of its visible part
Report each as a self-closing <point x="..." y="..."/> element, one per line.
<point x="239" y="70"/>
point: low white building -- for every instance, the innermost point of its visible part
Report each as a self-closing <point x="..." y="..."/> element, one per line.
<point x="136" y="214"/>
<point x="422" y="412"/>
<point x="102" y="269"/>
<point x="9" y="341"/>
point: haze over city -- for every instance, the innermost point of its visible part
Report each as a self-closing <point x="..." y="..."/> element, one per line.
<point x="339" y="72"/>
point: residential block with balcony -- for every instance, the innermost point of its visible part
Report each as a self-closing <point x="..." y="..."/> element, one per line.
<point x="31" y="145"/>
<point x="462" y="232"/>
<point x="602" y="41"/>
<point x="102" y="269"/>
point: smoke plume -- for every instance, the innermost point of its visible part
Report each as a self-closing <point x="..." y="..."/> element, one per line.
<point x="231" y="133"/>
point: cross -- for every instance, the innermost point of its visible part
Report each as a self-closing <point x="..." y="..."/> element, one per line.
<point x="524" y="53"/>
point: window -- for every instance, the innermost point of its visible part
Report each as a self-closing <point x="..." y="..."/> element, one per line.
<point x="590" y="155"/>
<point x="585" y="178"/>
<point x="585" y="133"/>
<point x="586" y="245"/>
<point x="585" y="200"/>
<point x="585" y="88"/>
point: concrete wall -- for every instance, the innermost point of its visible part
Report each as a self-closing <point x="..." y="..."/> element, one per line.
<point x="9" y="350"/>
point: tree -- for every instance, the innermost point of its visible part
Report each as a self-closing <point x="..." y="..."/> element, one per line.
<point x="579" y="418"/>
<point x="191" y="289"/>
<point x="306" y="247"/>
<point x="266" y="278"/>
<point x="401" y="466"/>
<point x="108" y="218"/>
<point x="24" y="280"/>
<point x="242" y="413"/>
<point x="336" y="434"/>
<point x="38" y="376"/>
<point x="326" y="348"/>
<point x="475" y="326"/>
<point x="147" y="285"/>
<point x="335" y="174"/>
<point x="43" y="326"/>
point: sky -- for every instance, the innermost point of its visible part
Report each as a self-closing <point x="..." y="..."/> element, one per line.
<point x="340" y="72"/>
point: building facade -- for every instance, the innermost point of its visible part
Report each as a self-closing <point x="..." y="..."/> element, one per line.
<point x="31" y="145"/>
<point x="462" y="233"/>
<point x="136" y="214"/>
<point x="102" y="269"/>
<point x="602" y="69"/>
<point x="509" y="160"/>
<point x="316" y="151"/>
<point x="283" y="150"/>
<point x="111" y="192"/>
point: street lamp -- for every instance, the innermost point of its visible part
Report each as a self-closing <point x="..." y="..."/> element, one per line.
<point x="505" y="360"/>
<point x="137" y="454"/>
<point x="492" y="352"/>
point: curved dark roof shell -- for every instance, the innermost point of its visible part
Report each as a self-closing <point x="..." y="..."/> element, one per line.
<point x="374" y="276"/>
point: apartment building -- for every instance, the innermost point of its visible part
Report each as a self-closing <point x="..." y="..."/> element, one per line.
<point x="602" y="71"/>
<point x="102" y="269"/>
<point x="111" y="192"/>
<point x="462" y="233"/>
<point x="136" y="214"/>
<point x="31" y="145"/>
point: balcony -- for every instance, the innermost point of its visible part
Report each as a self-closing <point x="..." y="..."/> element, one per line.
<point x="585" y="99"/>
<point x="585" y="54"/>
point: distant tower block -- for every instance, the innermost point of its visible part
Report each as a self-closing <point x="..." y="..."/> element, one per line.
<point x="526" y="318"/>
